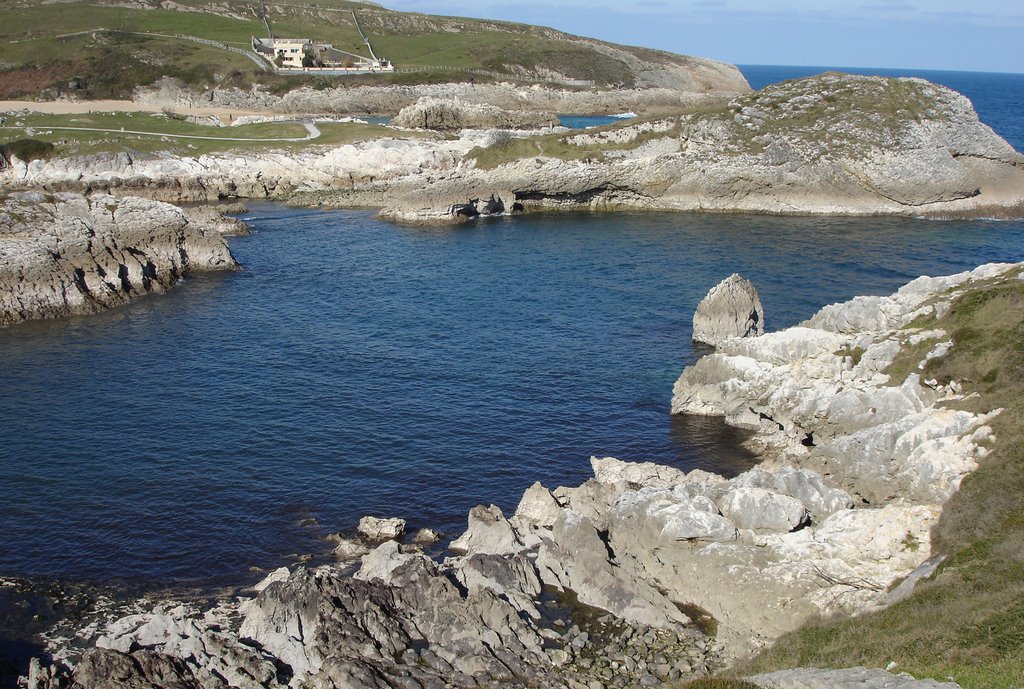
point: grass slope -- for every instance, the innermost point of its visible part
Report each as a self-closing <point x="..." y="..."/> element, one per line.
<point x="112" y="48"/>
<point x="967" y="621"/>
<point x="46" y="128"/>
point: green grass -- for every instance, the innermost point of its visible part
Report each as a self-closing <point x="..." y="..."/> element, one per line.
<point x="38" y="57"/>
<point x="27" y="149"/>
<point x="718" y="683"/>
<point x="966" y="622"/>
<point x="72" y="143"/>
<point x="558" y="146"/>
<point x="849" y="117"/>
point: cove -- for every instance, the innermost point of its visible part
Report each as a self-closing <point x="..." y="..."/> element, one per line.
<point x="356" y="367"/>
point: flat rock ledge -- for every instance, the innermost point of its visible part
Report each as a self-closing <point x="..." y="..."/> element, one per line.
<point x="66" y="253"/>
<point x="644" y="573"/>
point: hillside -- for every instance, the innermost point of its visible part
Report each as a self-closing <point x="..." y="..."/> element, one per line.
<point x="85" y="49"/>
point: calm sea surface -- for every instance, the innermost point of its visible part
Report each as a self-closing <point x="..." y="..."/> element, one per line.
<point x="355" y="367"/>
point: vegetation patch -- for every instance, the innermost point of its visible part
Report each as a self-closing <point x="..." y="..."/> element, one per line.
<point x="27" y="150"/>
<point x="855" y="353"/>
<point x="967" y="621"/>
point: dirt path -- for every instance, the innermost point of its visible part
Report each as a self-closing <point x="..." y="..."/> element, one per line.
<point x="314" y="133"/>
<point x="73" y="107"/>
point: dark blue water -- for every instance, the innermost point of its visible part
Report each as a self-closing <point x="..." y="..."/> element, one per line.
<point x="357" y="367"/>
<point x="585" y="121"/>
<point x="998" y="98"/>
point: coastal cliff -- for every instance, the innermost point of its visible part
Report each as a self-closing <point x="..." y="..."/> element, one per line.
<point x="66" y="254"/>
<point x="644" y="573"/>
<point x="828" y="145"/>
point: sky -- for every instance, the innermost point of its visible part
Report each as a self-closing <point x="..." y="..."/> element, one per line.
<point x="969" y="35"/>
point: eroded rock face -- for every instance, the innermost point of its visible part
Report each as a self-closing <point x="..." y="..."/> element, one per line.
<point x="827" y="145"/>
<point x="64" y="254"/>
<point x="446" y="115"/>
<point x="731" y="309"/>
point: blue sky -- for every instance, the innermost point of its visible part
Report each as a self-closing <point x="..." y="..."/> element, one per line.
<point x="982" y="35"/>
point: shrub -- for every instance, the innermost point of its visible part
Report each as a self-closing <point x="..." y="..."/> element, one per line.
<point x="27" y="149"/>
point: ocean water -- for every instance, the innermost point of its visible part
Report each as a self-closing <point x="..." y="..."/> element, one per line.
<point x="357" y="367"/>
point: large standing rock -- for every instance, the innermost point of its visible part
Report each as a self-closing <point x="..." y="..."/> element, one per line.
<point x="488" y="533"/>
<point x="446" y="114"/>
<point x="731" y="309"/>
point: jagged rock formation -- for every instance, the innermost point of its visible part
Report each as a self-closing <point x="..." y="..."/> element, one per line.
<point x="365" y="166"/>
<point x="732" y="308"/>
<point x="831" y="145"/>
<point x="360" y="100"/>
<point x="64" y="254"/>
<point x="857" y="468"/>
<point x="445" y="115"/>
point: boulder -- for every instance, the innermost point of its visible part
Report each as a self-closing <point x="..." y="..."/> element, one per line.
<point x="576" y="559"/>
<point x="731" y="309"/>
<point x="633" y="475"/>
<point x="763" y="510"/>
<point x="489" y="533"/>
<point x="375" y="530"/>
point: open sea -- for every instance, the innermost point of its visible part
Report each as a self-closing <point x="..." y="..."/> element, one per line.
<point x="357" y="367"/>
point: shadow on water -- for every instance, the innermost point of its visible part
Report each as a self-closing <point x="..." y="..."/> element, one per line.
<point x="711" y="445"/>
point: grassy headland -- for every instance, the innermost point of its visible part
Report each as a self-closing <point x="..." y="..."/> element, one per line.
<point x="105" y="51"/>
<point x="967" y="621"/>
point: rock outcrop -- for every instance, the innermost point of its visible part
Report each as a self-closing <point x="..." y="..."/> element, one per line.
<point x="829" y="145"/>
<point x="731" y="309"/>
<point x="716" y="83"/>
<point x="64" y="254"/>
<point x="618" y="581"/>
<point x="446" y="115"/>
<point x="851" y="678"/>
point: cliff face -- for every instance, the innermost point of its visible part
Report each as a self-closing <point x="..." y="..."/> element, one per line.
<point x="830" y="145"/>
<point x="834" y="144"/>
<point x="68" y="254"/>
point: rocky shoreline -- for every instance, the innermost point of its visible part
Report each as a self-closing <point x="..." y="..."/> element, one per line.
<point x="828" y="145"/>
<point x="65" y="254"/>
<point x="643" y="574"/>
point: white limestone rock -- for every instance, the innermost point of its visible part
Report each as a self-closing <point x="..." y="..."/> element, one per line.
<point x="489" y="533"/>
<point x="376" y="529"/>
<point x="731" y="309"/>
<point x="63" y="254"/>
<point x="615" y="472"/>
<point x="576" y="559"/>
<point x="759" y="509"/>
